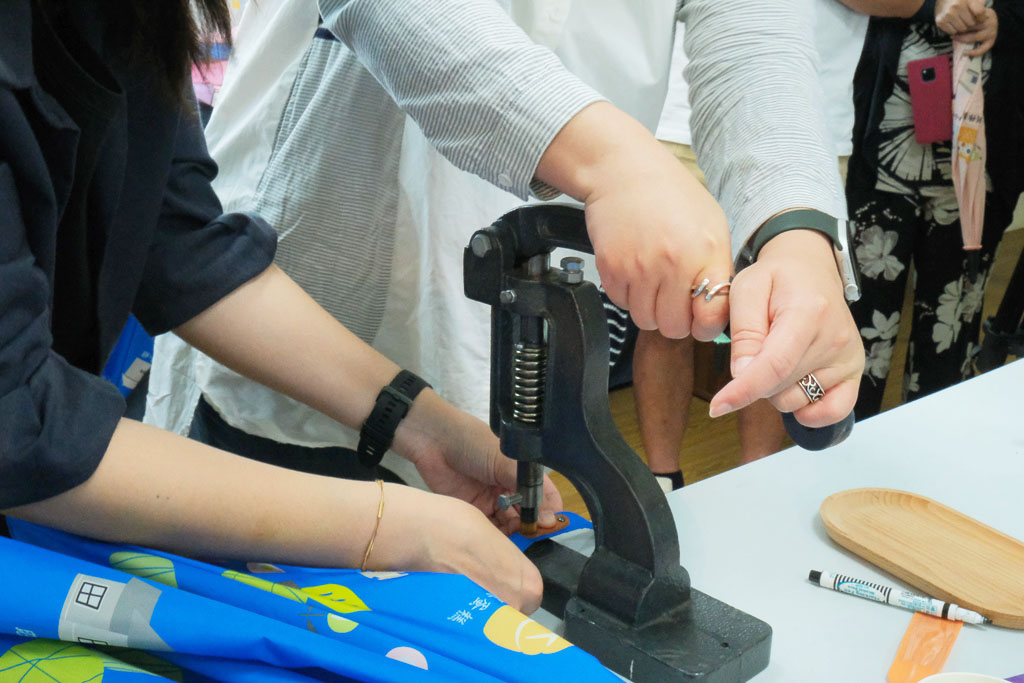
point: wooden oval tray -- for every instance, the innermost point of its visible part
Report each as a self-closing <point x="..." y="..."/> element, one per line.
<point x="941" y="552"/>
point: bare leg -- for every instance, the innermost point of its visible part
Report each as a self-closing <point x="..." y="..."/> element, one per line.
<point x="663" y="387"/>
<point x="761" y="430"/>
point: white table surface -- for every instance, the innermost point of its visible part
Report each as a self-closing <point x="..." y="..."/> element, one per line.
<point x="749" y="536"/>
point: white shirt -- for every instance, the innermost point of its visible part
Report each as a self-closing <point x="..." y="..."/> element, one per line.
<point x="374" y="207"/>
<point x="674" y="124"/>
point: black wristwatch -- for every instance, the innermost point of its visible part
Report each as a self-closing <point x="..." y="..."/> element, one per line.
<point x="839" y="232"/>
<point x="393" y="404"/>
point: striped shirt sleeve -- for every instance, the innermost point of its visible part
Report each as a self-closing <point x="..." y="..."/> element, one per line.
<point x="487" y="97"/>
<point x="758" y="121"/>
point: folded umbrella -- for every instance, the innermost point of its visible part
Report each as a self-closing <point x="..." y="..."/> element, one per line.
<point x="969" y="150"/>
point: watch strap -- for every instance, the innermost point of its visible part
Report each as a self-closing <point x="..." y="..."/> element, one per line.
<point x="393" y="404"/>
<point x="812" y="219"/>
<point x="798" y="219"/>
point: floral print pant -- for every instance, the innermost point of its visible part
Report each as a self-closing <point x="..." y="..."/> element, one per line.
<point x="893" y="230"/>
<point x="905" y="210"/>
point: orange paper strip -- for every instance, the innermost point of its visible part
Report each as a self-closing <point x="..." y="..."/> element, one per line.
<point x="924" y="649"/>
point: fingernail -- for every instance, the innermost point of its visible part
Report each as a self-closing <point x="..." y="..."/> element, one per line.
<point x="740" y="364"/>
<point x="546" y="518"/>
<point x="719" y="410"/>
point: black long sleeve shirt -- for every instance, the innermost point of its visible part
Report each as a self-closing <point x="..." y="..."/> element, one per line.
<point x="105" y="209"/>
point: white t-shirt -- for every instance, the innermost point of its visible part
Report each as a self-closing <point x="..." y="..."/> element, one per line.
<point x="839" y="38"/>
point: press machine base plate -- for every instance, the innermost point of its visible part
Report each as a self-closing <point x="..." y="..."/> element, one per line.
<point x="704" y="640"/>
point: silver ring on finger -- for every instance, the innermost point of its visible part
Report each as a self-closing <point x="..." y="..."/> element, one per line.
<point x="721" y="288"/>
<point x="811" y="387"/>
<point x="697" y="290"/>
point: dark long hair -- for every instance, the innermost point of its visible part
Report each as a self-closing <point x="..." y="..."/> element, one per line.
<point x="174" y="34"/>
<point x="169" y="35"/>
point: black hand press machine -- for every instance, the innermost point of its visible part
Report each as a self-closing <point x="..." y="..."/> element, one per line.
<point x="630" y="603"/>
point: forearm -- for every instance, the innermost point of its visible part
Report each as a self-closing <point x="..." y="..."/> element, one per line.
<point x="271" y="331"/>
<point x="157" y="489"/>
<point x="584" y="157"/>
<point x="154" y="488"/>
<point x="462" y="70"/>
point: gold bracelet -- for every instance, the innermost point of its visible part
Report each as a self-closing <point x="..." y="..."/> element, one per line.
<point x="380" y="513"/>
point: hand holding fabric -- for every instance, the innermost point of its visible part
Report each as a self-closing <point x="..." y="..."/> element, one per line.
<point x="789" y="318"/>
<point x="458" y="456"/>
<point x="422" y="531"/>
<point x="984" y="33"/>
<point x="959" y="16"/>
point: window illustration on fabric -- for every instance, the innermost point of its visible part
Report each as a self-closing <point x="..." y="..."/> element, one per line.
<point x="71" y="606"/>
<point x="102" y="612"/>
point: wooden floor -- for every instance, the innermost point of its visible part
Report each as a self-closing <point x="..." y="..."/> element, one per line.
<point x="712" y="446"/>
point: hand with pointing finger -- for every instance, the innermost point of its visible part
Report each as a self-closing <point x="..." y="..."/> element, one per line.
<point x="789" y="318"/>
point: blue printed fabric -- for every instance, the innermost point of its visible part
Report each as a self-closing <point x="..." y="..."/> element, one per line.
<point x="71" y="606"/>
<point x="131" y="358"/>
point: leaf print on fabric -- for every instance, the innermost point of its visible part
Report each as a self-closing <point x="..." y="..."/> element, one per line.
<point x="874" y="253"/>
<point x="947" y="326"/>
<point x="940" y="205"/>
<point x="879" y="358"/>
<point x="973" y="299"/>
<point x="884" y="328"/>
<point x="903" y="156"/>
<point x="968" y="368"/>
<point x="911" y="379"/>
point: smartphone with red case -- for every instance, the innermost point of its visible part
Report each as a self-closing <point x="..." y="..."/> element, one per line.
<point x="931" y="98"/>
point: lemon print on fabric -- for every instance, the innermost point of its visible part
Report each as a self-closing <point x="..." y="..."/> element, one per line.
<point x="340" y="624"/>
<point x="46" y="661"/>
<point x="511" y="629"/>
<point x="146" y="566"/>
<point x="338" y="599"/>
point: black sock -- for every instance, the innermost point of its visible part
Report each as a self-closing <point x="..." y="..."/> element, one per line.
<point x="675" y="477"/>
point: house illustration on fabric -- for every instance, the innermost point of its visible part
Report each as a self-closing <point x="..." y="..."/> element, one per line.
<point x="104" y="612"/>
